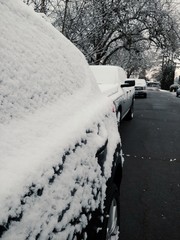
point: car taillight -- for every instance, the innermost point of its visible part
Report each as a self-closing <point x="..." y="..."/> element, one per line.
<point x="113" y="108"/>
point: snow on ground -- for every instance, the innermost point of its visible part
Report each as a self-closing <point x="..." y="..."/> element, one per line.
<point x="166" y="91"/>
<point x="48" y="100"/>
<point x="162" y="90"/>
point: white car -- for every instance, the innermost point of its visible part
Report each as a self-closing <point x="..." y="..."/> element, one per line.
<point x="111" y="81"/>
<point x="60" y="150"/>
<point x="140" y="87"/>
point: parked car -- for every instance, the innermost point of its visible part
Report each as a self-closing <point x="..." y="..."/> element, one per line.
<point x="178" y="92"/>
<point x="60" y="151"/>
<point x="174" y="87"/>
<point x="140" y="88"/>
<point x="111" y="81"/>
<point x="153" y="84"/>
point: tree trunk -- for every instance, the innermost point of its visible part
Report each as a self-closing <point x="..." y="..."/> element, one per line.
<point x="43" y="6"/>
<point x="65" y="14"/>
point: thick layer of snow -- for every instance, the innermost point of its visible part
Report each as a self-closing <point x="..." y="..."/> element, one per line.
<point x="108" y="89"/>
<point x="48" y="101"/>
<point x="140" y="82"/>
<point x="109" y="74"/>
<point x="33" y="75"/>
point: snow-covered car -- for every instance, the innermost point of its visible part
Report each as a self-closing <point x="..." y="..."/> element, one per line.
<point x="60" y="151"/>
<point x="140" y="88"/>
<point x="111" y="81"/>
<point x="178" y="92"/>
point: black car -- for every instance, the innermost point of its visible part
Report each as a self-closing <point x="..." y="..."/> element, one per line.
<point x="174" y="87"/>
<point x="60" y="151"/>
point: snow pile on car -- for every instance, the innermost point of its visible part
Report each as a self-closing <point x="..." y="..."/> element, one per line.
<point x="34" y="69"/>
<point x="49" y="108"/>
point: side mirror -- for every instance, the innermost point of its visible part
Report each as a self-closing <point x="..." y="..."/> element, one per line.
<point x="131" y="83"/>
<point x="125" y="85"/>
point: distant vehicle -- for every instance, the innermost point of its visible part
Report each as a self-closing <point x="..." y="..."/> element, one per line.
<point x="178" y="92"/>
<point x="60" y="151"/>
<point x="153" y="84"/>
<point x="174" y="87"/>
<point x="140" y="87"/>
<point x="111" y="81"/>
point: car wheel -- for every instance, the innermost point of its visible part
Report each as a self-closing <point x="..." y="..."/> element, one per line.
<point x="118" y="116"/>
<point x="130" y="114"/>
<point x="111" y="223"/>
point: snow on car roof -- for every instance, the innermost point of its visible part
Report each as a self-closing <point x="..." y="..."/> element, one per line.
<point x="139" y="81"/>
<point x="38" y="65"/>
<point x="46" y="88"/>
<point x="107" y="74"/>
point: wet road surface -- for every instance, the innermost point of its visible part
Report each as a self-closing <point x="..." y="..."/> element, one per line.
<point x="150" y="188"/>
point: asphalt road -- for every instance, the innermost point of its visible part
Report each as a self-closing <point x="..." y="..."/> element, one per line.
<point x="150" y="188"/>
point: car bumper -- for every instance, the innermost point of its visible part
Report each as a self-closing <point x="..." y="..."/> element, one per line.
<point x="140" y="93"/>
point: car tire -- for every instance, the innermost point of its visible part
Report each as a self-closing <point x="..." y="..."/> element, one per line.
<point x="118" y="116"/>
<point x="111" y="223"/>
<point x="130" y="114"/>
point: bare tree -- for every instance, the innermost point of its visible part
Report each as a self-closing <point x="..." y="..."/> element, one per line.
<point x="104" y="29"/>
<point x="39" y="5"/>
